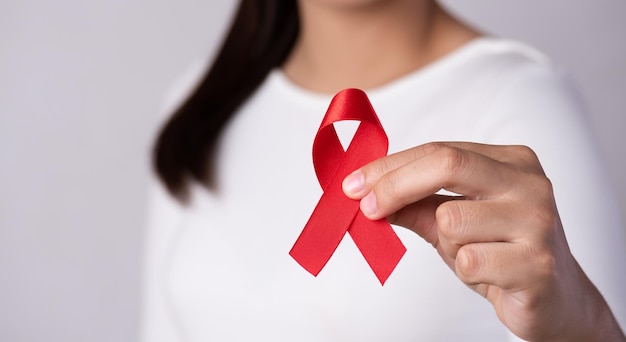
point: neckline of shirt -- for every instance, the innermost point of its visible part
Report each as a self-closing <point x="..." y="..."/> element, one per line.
<point x="277" y="78"/>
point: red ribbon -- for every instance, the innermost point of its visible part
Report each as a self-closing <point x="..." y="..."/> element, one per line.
<point x="335" y="213"/>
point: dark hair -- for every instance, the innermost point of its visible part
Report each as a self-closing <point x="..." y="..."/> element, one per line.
<point x="261" y="36"/>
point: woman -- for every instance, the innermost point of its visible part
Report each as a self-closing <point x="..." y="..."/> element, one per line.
<point x="237" y="156"/>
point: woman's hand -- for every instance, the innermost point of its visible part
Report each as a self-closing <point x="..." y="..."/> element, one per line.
<point x="502" y="235"/>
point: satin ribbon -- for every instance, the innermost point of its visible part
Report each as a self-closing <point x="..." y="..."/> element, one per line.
<point x="335" y="213"/>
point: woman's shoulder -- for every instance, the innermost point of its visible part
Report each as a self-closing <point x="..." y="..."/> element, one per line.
<point x="517" y="80"/>
<point x="480" y="69"/>
<point x="508" y="60"/>
<point x="525" y="74"/>
<point x="498" y="48"/>
<point x="181" y="87"/>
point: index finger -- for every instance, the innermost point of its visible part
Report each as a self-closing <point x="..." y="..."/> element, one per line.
<point x="360" y="182"/>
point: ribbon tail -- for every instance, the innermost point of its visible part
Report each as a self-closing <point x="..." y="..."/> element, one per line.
<point x="379" y="244"/>
<point x="325" y="229"/>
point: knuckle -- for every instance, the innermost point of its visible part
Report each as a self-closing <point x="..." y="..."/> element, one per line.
<point x="374" y="170"/>
<point x="545" y="185"/>
<point x="525" y="153"/>
<point x="526" y="158"/>
<point x="451" y="159"/>
<point x="544" y="273"/>
<point x="544" y="214"/>
<point x="546" y="220"/>
<point x="431" y="147"/>
<point x="545" y="265"/>
<point x="388" y="187"/>
<point x="541" y="269"/>
<point x="540" y="185"/>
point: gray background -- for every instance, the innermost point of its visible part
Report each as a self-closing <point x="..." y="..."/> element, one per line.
<point x="80" y="85"/>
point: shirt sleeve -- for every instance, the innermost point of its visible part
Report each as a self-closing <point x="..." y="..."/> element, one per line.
<point x="159" y="321"/>
<point x="541" y="109"/>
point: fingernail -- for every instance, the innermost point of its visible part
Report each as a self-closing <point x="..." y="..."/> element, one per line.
<point x="354" y="183"/>
<point x="368" y="204"/>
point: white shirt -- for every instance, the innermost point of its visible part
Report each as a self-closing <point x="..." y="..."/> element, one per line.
<point x="219" y="270"/>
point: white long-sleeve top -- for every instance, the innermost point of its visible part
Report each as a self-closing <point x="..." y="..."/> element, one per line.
<point x="219" y="269"/>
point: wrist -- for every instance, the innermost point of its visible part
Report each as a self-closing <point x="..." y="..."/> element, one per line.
<point x="600" y="324"/>
<point x="605" y="327"/>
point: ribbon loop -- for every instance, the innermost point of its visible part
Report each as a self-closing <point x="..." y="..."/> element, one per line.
<point x="335" y="213"/>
